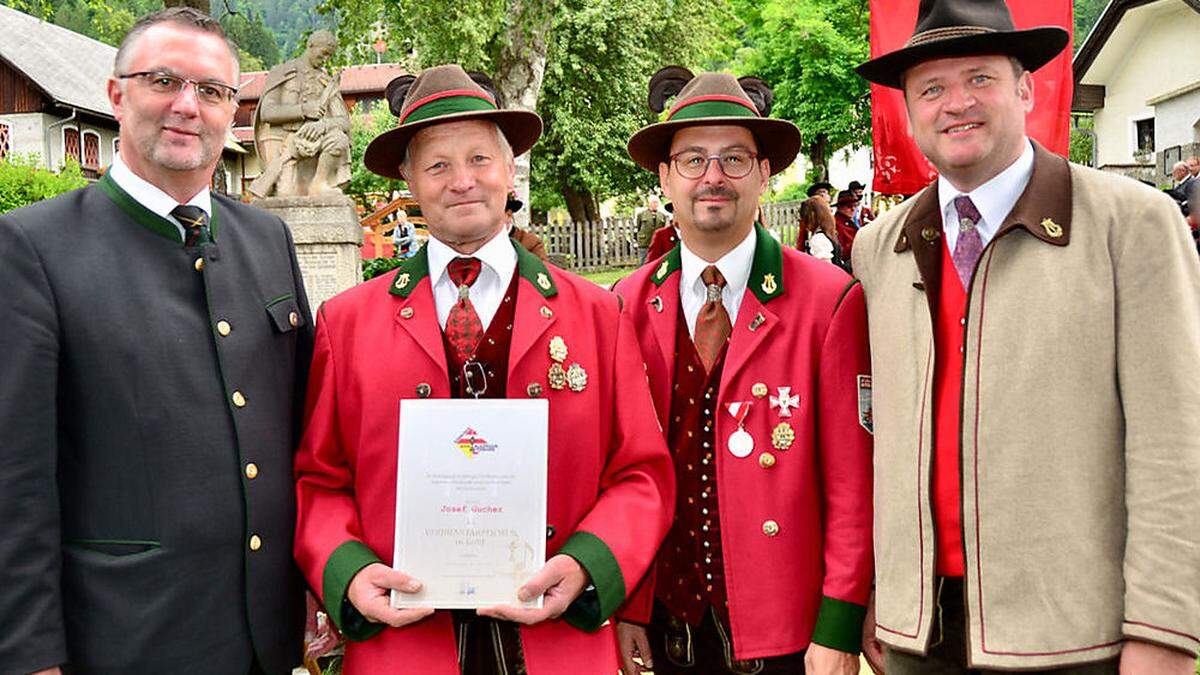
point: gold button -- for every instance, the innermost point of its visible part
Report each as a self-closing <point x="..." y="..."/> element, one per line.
<point x="223" y="328"/>
<point x="255" y="542"/>
<point x="534" y="389"/>
<point x="251" y="471"/>
<point x="929" y="234"/>
<point x="239" y="400"/>
<point x="759" y="389"/>
<point x="199" y="264"/>
<point x="424" y="390"/>
<point x="766" y="460"/>
<point x="294" y="318"/>
<point x="770" y="528"/>
<point x="406" y="313"/>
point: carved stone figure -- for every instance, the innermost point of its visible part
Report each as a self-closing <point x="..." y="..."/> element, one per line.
<point x="301" y="126"/>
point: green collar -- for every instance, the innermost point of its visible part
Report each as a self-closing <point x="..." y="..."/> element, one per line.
<point x="529" y="266"/>
<point x="766" y="272"/>
<point x="147" y="218"/>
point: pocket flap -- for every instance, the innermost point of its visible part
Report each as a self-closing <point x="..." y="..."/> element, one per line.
<point x="285" y="314"/>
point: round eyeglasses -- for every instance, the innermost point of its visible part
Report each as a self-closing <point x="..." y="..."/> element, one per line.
<point x="734" y="163"/>
<point x="209" y="93"/>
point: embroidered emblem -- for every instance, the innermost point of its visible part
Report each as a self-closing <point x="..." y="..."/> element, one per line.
<point x="662" y="270"/>
<point x="768" y="284"/>
<point x="1053" y="229"/>
<point x="543" y="281"/>
<point x="782" y="436"/>
<point x="865" y="417"/>
<point x="402" y="281"/>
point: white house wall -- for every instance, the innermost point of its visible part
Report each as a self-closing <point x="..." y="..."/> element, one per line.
<point x="1173" y="120"/>
<point x="1164" y="56"/>
<point x="26" y="133"/>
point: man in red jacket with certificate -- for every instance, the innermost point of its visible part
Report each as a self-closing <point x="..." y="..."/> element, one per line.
<point x="759" y="368"/>
<point x="473" y="314"/>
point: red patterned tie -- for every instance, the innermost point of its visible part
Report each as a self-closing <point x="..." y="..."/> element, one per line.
<point x="464" y="330"/>
<point x="712" y="324"/>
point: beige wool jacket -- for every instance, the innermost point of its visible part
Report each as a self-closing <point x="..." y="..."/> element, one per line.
<point x="1080" y="422"/>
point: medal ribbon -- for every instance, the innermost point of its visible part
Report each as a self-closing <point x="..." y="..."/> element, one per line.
<point x="739" y="410"/>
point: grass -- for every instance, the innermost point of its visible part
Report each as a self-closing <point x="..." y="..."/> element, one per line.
<point x="608" y="277"/>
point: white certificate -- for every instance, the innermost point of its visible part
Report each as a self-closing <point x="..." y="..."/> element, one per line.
<point x="470" y="500"/>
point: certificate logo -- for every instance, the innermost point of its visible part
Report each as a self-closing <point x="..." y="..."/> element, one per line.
<point x="471" y="444"/>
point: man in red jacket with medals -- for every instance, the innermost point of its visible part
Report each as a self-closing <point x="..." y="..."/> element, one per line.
<point x="474" y="314"/>
<point x="758" y="365"/>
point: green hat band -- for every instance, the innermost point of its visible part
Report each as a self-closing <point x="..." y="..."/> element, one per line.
<point x="447" y="105"/>
<point x="712" y="108"/>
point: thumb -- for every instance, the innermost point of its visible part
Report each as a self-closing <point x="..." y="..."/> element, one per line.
<point x="395" y="579"/>
<point x="539" y="584"/>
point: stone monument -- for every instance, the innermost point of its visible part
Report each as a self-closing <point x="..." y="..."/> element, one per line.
<point x="302" y="136"/>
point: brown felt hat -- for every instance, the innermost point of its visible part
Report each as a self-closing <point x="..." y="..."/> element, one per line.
<point x="444" y="94"/>
<point x="711" y="99"/>
<point x="947" y="28"/>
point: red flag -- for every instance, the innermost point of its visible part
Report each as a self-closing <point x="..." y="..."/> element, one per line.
<point x="900" y="168"/>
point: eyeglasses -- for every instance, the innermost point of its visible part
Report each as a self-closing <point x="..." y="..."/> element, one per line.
<point x="209" y="93"/>
<point x="734" y="164"/>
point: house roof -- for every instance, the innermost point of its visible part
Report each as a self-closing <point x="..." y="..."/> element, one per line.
<point x="1106" y="26"/>
<point x="372" y="78"/>
<point x="68" y="67"/>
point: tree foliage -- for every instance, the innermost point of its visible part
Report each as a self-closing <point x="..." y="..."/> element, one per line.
<point x="363" y="128"/>
<point x="253" y="37"/>
<point x="23" y="181"/>
<point x="807" y="51"/>
<point x="1086" y="13"/>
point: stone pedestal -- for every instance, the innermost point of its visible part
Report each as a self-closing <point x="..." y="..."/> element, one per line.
<point x="328" y="241"/>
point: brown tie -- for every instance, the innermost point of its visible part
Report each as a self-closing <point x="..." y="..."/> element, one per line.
<point x="712" y="324"/>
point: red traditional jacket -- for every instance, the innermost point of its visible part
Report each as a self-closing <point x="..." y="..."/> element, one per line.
<point x="796" y="513"/>
<point x="611" y="487"/>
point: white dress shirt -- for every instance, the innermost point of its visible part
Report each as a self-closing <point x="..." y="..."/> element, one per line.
<point x="153" y="198"/>
<point x="994" y="199"/>
<point x="734" y="266"/>
<point x="499" y="263"/>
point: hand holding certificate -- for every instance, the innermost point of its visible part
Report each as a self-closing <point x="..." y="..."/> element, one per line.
<point x="471" y="503"/>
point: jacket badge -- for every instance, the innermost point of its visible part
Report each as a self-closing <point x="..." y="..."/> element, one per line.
<point x="865" y="416"/>
<point x="758" y="319"/>
<point x="1053" y="229"/>
<point x="662" y="270"/>
<point x="402" y="281"/>
<point x="558" y="348"/>
<point x="785" y="401"/>
<point x="759" y="390"/>
<point x="543" y="281"/>
<point x="656" y="303"/>
<point x="576" y="377"/>
<point x="768" y="284"/>
<point x="783" y="436"/>
<point x="556" y="376"/>
<point x="740" y="443"/>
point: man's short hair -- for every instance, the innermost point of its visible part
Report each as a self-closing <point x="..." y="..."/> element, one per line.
<point x="180" y="16"/>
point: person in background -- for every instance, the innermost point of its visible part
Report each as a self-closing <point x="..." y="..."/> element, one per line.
<point x="819" y="236"/>
<point x="649" y="220"/>
<point x="847" y="227"/>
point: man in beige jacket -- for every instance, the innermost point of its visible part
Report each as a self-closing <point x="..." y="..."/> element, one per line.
<point x="1035" y="338"/>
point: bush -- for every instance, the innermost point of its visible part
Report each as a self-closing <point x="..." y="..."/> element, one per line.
<point x="24" y="182"/>
<point x="375" y="266"/>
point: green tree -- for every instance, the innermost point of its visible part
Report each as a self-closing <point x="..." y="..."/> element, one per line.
<point x="1086" y="13"/>
<point x="23" y="181"/>
<point x="807" y="51"/>
<point x="253" y="37"/>
<point x="363" y="128"/>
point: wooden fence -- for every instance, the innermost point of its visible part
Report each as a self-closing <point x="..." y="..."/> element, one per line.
<point x="612" y="242"/>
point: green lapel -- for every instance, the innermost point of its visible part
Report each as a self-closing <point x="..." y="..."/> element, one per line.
<point x="766" y="273"/>
<point x="533" y="269"/>
<point x="147" y="218"/>
<point x="410" y="273"/>
<point x="671" y="263"/>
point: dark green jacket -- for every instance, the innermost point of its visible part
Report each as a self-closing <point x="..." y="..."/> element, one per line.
<point x="127" y="508"/>
<point x="647" y="222"/>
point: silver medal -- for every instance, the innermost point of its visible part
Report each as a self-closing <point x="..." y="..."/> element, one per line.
<point x="741" y="444"/>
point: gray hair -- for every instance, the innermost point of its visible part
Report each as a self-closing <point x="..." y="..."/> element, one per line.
<point x="1179" y="165"/>
<point x="180" y="16"/>
<point x="505" y="148"/>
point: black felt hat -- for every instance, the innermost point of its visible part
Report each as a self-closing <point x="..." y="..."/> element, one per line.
<point x="947" y="28"/>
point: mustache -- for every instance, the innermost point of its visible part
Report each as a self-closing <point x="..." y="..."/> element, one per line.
<point x="715" y="192"/>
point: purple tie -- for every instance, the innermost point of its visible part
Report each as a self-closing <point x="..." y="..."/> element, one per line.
<point x="970" y="244"/>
